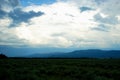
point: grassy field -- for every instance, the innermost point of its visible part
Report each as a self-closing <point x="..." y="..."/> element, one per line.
<point x="59" y="69"/>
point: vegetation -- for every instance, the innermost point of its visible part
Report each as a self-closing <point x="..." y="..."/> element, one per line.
<point x="59" y="69"/>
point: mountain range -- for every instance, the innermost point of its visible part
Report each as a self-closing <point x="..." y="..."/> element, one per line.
<point x="79" y="54"/>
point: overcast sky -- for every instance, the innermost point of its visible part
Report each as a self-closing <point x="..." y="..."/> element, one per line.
<point x="81" y="24"/>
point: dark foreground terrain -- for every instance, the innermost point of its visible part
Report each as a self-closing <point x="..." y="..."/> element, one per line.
<point x="59" y="69"/>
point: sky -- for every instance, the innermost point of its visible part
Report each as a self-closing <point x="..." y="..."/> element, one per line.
<point x="58" y="25"/>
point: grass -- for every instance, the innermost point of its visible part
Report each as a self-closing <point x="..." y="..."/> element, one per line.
<point x="59" y="69"/>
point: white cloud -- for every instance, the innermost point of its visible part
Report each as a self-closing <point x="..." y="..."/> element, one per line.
<point x="5" y="22"/>
<point x="111" y="7"/>
<point x="8" y="34"/>
<point x="5" y="32"/>
<point x="58" y="18"/>
<point x="81" y="3"/>
<point x="64" y="25"/>
<point x="118" y="17"/>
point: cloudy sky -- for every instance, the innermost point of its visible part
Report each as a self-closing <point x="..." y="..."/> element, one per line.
<point x="60" y="24"/>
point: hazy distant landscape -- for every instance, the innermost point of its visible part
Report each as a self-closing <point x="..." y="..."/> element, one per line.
<point x="92" y="53"/>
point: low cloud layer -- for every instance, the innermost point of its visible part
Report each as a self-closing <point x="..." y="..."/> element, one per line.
<point x="66" y="23"/>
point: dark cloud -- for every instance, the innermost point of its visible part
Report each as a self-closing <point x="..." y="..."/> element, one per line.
<point x="101" y="27"/>
<point x="107" y="20"/>
<point x="20" y="16"/>
<point x="2" y="13"/>
<point x="15" y="13"/>
<point x="85" y="8"/>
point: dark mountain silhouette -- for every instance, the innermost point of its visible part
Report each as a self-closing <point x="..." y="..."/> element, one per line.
<point x="2" y="56"/>
<point x="80" y="54"/>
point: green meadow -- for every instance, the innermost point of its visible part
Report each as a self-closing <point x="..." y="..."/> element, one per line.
<point x="59" y="69"/>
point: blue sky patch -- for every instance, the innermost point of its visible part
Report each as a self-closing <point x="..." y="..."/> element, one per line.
<point x="36" y="2"/>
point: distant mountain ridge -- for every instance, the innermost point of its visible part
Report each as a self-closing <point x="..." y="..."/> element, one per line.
<point x="80" y="54"/>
